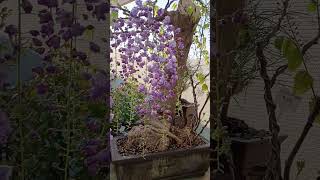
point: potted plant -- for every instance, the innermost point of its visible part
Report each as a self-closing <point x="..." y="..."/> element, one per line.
<point x="153" y="44"/>
<point x="234" y="66"/>
<point x="294" y="57"/>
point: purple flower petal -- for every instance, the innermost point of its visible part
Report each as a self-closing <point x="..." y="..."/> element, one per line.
<point x="11" y="30"/>
<point x="27" y="6"/>
<point x="54" y="41"/>
<point x="94" y="47"/>
<point x="42" y="88"/>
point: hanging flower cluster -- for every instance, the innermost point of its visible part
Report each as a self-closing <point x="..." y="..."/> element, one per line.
<point x="58" y="27"/>
<point x="147" y="46"/>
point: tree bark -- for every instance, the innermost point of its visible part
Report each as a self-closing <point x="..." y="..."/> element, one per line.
<point x="275" y="162"/>
<point x="187" y="24"/>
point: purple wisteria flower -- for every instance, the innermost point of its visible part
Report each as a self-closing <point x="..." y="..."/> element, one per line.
<point x="139" y="3"/>
<point x="94" y="47"/>
<point x="160" y="12"/>
<point x="51" y="69"/>
<point x="101" y="10"/>
<point x="53" y="41"/>
<point x="11" y="30"/>
<point x="42" y="88"/>
<point x="77" y="29"/>
<point x="66" y="35"/>
<point x="89" y="7"/>
<point x="5" y="127"/>
<point x="157" y="56"/>
<point x="99" y="86"/>
<point x="167" y="20"/>
<point x="47" y="29"/>
<point x="64" y="17"/>
<point x="27" y="6"/>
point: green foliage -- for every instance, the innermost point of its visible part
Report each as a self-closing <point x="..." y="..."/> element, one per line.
<point x="200" y="77"/>
<point x="205" y="88"/>
<point x="125" y="100"/>
<point x="300" y="166"/>
<point x="312" y="6"/>
<point x="190" y="10"/>
<point x="113" y="17"/>
<point x="290" y="51"/>
<point x="174" y="6"/>
<point x="302" y="82"/>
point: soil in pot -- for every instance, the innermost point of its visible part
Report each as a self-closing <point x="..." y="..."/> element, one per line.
<point x="192" y="140"/>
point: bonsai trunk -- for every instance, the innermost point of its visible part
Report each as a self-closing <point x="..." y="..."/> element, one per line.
<point x="187" y="24"/>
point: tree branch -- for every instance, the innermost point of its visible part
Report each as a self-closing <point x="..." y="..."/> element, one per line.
<point x="315" y="111"/>
<point x="303" y="135"/>
<point x="278" y="72"/>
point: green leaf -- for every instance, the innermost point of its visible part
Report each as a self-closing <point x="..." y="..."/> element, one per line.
<point x="201" y="78"/>
<point x="174" y="6"/>
<point x="278" y="43"/>
<point x="206" y="26"/>
<point x="114" y="16"/>
<point x="302" y="82"/>
<point x="204" y="40"/>
<point x="312" y="6"/>
<point x="204" y="87"/>
<point x="155" y="10"/>
<point x="206" y="59"/>
<point x="114" y="2"/>
<point x="190" y="10"/>
<point x="161" y="31"/>
<point x="292" y="53"/>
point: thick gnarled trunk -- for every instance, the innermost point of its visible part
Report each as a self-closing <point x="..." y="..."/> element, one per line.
<point x="187" y="23"/>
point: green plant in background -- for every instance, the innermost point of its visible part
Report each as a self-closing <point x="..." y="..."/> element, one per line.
<point x="125" y="99"/>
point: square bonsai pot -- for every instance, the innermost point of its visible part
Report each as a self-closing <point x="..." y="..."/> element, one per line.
<point x="167" y="165"/>
<point x="250" y="153"/>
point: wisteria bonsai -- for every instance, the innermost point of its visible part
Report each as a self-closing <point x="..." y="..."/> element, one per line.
<point x="153" y="46"/>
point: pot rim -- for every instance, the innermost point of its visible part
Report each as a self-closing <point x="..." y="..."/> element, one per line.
<point x="266" y="139"/>
<point x="116" y="157"/>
